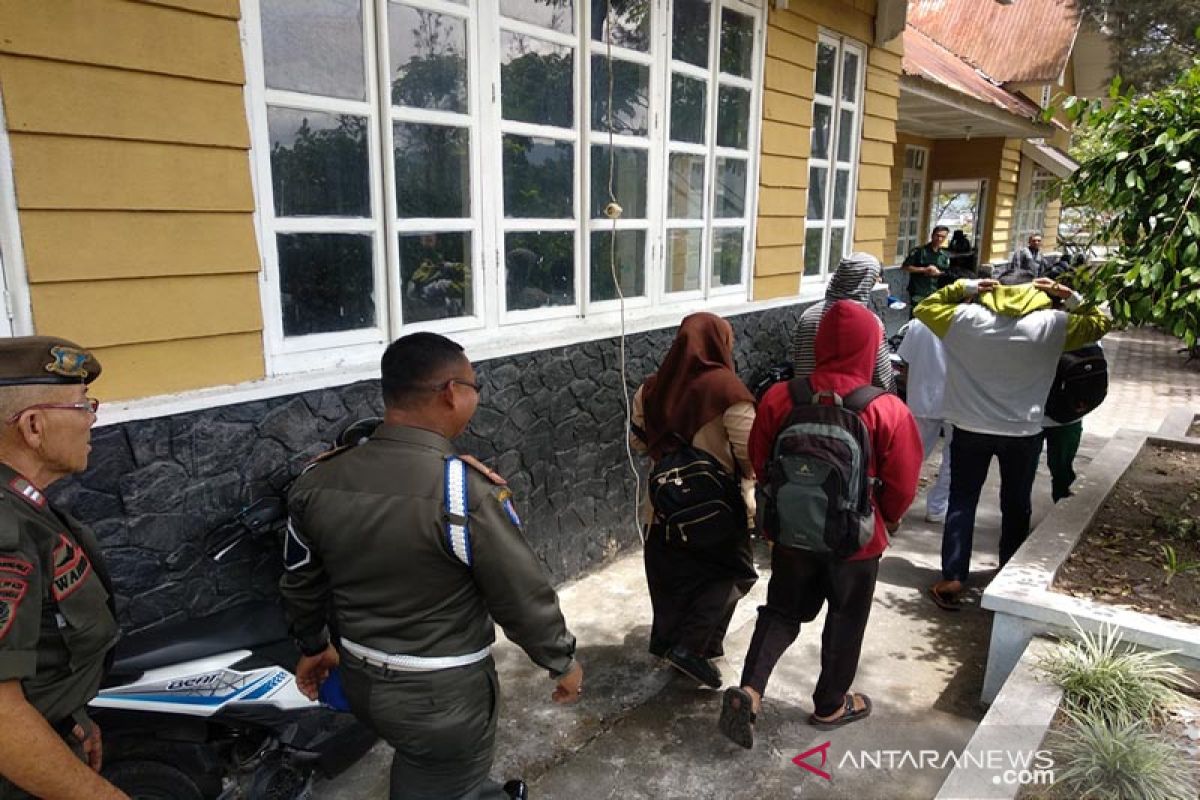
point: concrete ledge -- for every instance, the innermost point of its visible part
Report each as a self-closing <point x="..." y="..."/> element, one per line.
<point x="1016" y="724"/>
<point x="1020" y="594"/>
<point x="1177" y="422"/>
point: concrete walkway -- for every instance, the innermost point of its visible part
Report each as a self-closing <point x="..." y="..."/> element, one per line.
<point x="642" y="731"/>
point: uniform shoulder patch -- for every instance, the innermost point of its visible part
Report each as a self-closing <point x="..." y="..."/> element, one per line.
<point x="71" y="568"/>
<point x="484" y="470"/>
<point x="10" y="602"/>
<point x="505" y="498"/>
<point x="27" y="492"/>
<point x="327" y="455"/>
<point x="296" y="553"/>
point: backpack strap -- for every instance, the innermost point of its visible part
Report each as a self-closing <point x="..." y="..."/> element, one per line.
<point x="800" y="390"/>
<point x="862" y="397"/>
<point x="458" y="529"/>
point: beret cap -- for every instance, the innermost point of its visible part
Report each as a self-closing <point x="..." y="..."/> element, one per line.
<point x="49" y="360"/>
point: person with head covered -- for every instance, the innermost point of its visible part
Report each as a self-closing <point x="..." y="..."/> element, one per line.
<point x="57" y="618"/>
<point x="1002" y="345"/>
<point x="856" y="276"/>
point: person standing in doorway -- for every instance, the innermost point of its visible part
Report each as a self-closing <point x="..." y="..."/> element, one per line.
<point x="925" y="264"/>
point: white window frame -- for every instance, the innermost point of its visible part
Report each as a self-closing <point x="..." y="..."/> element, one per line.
<point x="488" y="225"/>
<point x="836" y="104"/>
<point x="913" y="177"/>
<point x="1033" y="196"/>
<point x="16" y="313"/>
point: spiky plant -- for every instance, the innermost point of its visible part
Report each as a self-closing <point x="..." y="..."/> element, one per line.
<point x="1102" y="676"/>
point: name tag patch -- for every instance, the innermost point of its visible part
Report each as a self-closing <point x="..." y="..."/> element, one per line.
<point x="12" y="591"/>
<point x="71" y="568"/>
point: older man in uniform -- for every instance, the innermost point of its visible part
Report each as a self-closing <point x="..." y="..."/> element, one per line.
<point x="57" y="623"/>
<point x="416" y="551"/>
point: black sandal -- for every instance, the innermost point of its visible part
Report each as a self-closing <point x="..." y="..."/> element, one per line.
<point x="737" y="717"/>
<point x="849" y="713"/>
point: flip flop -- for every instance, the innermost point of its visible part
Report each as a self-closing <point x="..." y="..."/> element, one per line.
<point x="849" y="714"/>
<point x="737" y="718"/>
<point x="946" y="601"/>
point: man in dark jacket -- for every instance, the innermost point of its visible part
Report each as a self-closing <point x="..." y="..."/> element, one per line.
<point x="803" y="581"/>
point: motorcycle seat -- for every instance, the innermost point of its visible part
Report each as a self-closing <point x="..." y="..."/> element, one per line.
<point x="242" y="627"/>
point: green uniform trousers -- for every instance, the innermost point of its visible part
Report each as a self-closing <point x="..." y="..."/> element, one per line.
<point x="442" y="725"/>
<point x="1062" y="443"/>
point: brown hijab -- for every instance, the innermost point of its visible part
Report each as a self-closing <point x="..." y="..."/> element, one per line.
<point x="695" y="384"/>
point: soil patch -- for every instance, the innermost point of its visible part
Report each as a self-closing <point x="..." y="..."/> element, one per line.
<point x="1149" y="520"/>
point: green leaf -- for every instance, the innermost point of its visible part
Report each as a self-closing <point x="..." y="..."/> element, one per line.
<point x="1131" y="179"/>
<point x="1190" y="252"/>
<point x="1121" y="156"/>
<point x="1183" y="165"/>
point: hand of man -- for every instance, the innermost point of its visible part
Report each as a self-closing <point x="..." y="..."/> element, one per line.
<point x="93" y="749"/>
<point x="986" y="285"/>
<point x="1052" y="287"/>
<point x="570" y="686"/>
<point x="311" y="671"/>
<point x="932" y="270"/>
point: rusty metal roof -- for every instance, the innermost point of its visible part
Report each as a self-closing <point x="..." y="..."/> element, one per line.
<point x="924" y="58"/>
<point x="1028" y="41"/>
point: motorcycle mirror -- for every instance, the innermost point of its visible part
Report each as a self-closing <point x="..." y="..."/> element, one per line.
<point x="259" y="516"/>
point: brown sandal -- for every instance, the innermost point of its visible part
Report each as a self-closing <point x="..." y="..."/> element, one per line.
<point x="738" y="717"/>
<point x="945" y="600"/>
<point x="849" y="713"/>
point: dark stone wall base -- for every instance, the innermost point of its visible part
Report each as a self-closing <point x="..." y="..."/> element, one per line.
<point x="552" y="422"/>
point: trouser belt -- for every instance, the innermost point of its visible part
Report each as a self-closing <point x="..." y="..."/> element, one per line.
<point x="402" y="663"/>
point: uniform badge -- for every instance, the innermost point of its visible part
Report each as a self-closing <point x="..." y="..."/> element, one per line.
<point x="295" y="552"/>
<point x="12" y="591"/>
<point x="506" y="503"/>
<point x="71" y="568"/>
<point x="68" y="362"/>
<point x="28" y="492"/>
<point x="16" y="566"/>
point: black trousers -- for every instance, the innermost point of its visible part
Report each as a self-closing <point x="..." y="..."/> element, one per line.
<point x="694" y="591"/>
<point x="801" y="582"/>
<point x="442" y="725"/>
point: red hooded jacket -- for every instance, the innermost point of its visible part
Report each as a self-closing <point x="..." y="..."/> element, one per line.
<point x="846" y="346"/>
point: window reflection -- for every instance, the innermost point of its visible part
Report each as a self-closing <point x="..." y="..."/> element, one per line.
<point x="685" y="190"/>
<point x="630" y="23"/>
<point x="433" y="176"/>
<point x="558" y="15"/>
<point x="539" y="269"/>
<point x="630" y="264"/>
<point x="538" y="177"/>
<point x="689" y="31"/>
<point x="737" y="43"/>
<point x="535" y="81"/>
<point x="683" y="260"/>
<point x="630" y="96"/>
<point x="733" y="118"/>
<point x="326" y="282"/>
<point x="318" y="163"/>
<point x="629" y="181"/>
<point x="727" y="257"/>
<point x="688" y="103"/>
<point x="314" y="47"/>
<point x="429" y="56"/>
<point x="435" y="273"/>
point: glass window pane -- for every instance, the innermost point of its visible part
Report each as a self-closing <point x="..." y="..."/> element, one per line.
<point x="737" y="43"/>
<point x="535" y="81"/>
<point x="826" y="69"/>
<point x="630" y="264"/>
<point x="435" y="275"/>
<point x="841" y="193"/>
<point x="685" y="187"/>
<point x="816" y="192"/>
<point x="326" y="282"/>
<point x="433" y="172"/>
<point x="821" y="130"/>
<point x="845" y="149"/>
<point x="428" y="53"/>
<point x="688" y="101"/>
<point x="318" y="163"/>
<point x="727" y="257"/>
<point x="733" y="118"/>
<point x="837" y="238"/>
<point x="850" y="77"/>
<point x="630" y="24"/>
<point x="314" y="47"/>
<point x="558" y="15"/>
<point x="689" y="31"/>
<point x="630" y="96"/>
<point x="538" y="176"/>
<point x="731" y="188"/>
<point x="812" y="251"/>
<point x="539" y="269"/>
<point x="629" y="181"/>
<point x="683" y="260"/>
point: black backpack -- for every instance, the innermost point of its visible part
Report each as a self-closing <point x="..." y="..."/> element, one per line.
<point x="816" y="495"/>
<point x="695" y="497"/>
<point x="1080" y="384"/>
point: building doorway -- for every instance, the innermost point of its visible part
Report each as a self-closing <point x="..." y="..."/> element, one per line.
<point x="960" y="205"/>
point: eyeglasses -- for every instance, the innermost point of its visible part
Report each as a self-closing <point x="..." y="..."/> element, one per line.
<point x="478" y="389"/>
<point x="89" y="404"/>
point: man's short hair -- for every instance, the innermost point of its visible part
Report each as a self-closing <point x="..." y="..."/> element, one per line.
<point x="937" y="228"/>
<point x="412" y="364"/>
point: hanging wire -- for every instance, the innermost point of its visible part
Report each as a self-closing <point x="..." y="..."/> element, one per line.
<point x="613" y="212"/>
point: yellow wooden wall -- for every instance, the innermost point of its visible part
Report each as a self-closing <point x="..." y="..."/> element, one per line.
<point x="787" y="120"/>
<point x="129" y="139"/>
<point x="1005" y="202"/>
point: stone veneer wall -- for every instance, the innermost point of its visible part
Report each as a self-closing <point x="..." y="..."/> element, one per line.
<point x="551" y="422"/>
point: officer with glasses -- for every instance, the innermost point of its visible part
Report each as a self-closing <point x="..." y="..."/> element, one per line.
<point x="57" y="619"/>
<point x="412" y="553"/>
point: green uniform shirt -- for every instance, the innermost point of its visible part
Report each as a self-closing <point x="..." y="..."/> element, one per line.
<point x="57" y="622"/>
<point x="368" y="539"/>
<point x="921" y="286"/>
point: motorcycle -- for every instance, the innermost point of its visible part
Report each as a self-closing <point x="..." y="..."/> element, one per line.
<point x="209" y="708"/>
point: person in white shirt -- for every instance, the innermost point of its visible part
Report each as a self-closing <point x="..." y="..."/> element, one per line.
<point x="922" y="351"/>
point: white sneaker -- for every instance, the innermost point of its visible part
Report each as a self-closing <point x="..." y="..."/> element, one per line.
<point x="938" y="518"/>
